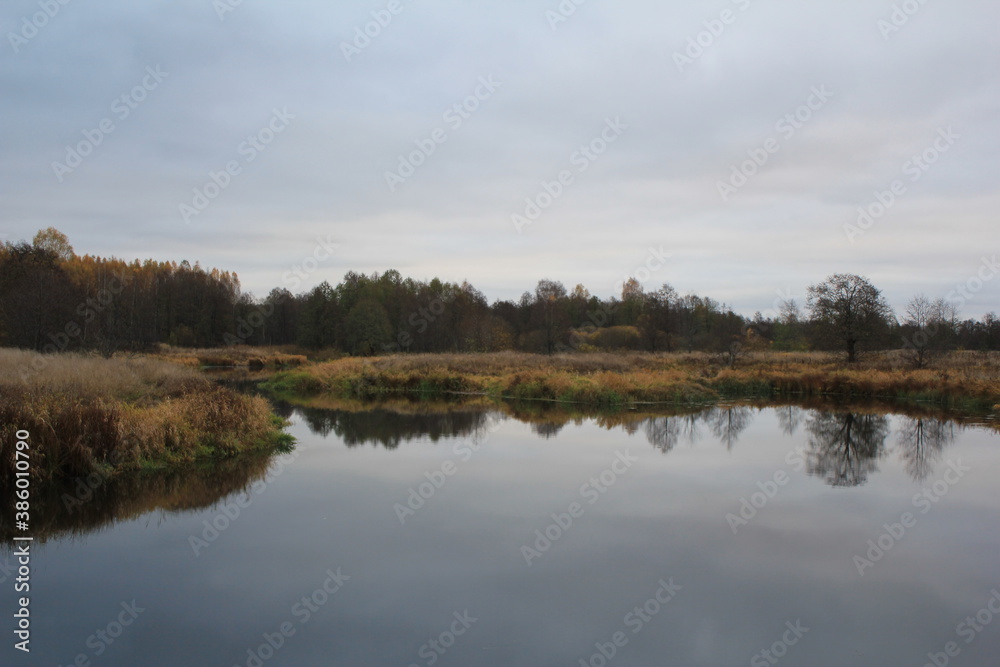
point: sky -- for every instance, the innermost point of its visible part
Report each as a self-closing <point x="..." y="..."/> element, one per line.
<point x="739" y="149"/>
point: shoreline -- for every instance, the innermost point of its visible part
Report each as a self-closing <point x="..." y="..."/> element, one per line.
<point x="618" y="381"/>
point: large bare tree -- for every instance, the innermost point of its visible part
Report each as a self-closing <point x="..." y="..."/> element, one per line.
<point x="849" y="311"/>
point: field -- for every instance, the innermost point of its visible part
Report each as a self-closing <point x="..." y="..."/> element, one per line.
<point x="87" y="414"/>
<point x="970" y="380"/>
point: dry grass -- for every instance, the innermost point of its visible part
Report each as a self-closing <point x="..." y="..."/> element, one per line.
<point x="236" y="355"/>
<point x="92" y="377"/>
<point x="969" y="379"/>
<point x="85" y="414"/>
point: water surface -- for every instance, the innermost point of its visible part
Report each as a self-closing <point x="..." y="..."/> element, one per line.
<point x="469" y="537"/>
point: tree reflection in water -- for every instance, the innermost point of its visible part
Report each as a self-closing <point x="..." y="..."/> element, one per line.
<point x="728" y="422"/>
<point x="844" y="447"/>
<point x="789" y="418"/>
<point x="389" y="428"/>
<point x="921" y="441"/>
<point x="547" y="429"/>
<point x="663" y="432"/>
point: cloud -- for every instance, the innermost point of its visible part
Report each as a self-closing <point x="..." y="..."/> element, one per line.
<point x="659" y="183"/>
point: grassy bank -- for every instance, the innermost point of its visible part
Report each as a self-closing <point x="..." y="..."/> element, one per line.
<point x="88" y="414"/>
<point x="234" y="356"/>
<point x="966" y="380"/>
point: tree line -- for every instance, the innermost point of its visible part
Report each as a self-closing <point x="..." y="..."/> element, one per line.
<point x="54" y="300"/>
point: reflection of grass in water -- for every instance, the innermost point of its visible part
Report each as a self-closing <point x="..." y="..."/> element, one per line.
<point x="73" y="508"/>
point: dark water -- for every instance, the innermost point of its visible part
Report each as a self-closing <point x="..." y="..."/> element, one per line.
<point x="821" y="537"/>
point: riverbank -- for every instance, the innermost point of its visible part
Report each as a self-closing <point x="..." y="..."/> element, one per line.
<point x="253" y="358"/>
<point x="88" y="414"/>
<point x="969" y="381"/>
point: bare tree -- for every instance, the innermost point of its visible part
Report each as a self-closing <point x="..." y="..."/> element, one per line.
<point x="850" y="311"/>
<point x="928" y="323"/>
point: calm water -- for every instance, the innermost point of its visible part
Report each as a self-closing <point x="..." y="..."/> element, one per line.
<point x="473" y="538"/>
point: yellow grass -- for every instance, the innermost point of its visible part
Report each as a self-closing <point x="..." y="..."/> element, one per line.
<point x="85" y="413"/>
<point x="236" y="355"/>
<point x="963" y="378"/>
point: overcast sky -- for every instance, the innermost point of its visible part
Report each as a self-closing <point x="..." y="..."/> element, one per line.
<point x="682" y="92"/>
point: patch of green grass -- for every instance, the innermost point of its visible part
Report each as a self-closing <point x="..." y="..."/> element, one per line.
<point x="296" y="383"/>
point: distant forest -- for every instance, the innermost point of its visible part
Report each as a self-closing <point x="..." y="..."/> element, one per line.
<point x="54" y="300"/>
